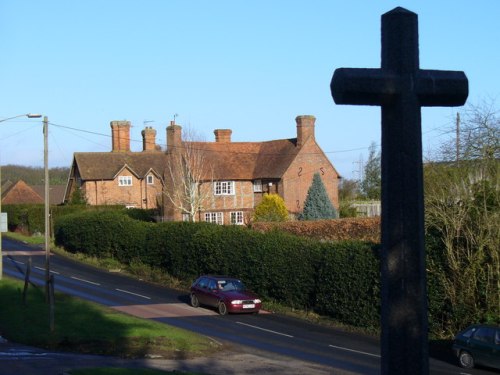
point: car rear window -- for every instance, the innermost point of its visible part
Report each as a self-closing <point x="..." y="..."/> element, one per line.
<point x="203" y="283"/>
<point x="484" y="334"/>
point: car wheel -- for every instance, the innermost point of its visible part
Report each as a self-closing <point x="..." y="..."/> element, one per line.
<point x="194" y="301"/>
<point x="222" y="308"/>
<point x="465" y="360"/>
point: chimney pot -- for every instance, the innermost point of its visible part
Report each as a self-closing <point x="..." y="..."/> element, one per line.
<point x="120" y="136"/>
<point x="148" y="139"/>
<point x="223" y="135"/>
<point x="305" y="128"/>
<point x="174" y="137"/>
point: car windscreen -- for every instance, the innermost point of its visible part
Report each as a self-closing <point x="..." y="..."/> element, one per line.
<point x="231" y="285"/>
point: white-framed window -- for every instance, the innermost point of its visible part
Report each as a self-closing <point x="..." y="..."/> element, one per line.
<point x="257" y="186"/>
<point x="125" y="181"/>
<point x="237" y="218"/>
<point x="214" y="217"/>
<point x="150" y="180"/>
<point x="186" y="217"/>
<point x="224" y="188"/>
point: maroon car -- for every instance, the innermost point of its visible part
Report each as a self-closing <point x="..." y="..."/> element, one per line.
<point x="226" y="294"/>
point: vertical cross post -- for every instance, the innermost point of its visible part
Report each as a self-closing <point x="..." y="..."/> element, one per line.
<point x="401" y="88"/>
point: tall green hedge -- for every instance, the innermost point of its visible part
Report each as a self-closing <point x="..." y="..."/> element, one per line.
<point x="30" y="218"/>
<point x="336" y="279"/>
<point x="296" y="271"/>
<point x="349" y="283"/>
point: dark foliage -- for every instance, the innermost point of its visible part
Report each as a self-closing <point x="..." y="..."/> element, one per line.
<point x="34" y="175"/>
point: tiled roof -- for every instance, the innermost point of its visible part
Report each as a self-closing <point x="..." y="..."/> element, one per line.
<point x="19" y="193"/>
<point x="105" y="165"/>
<point x="56" y="193"/>
<point x="248" y="160"/>
<point x="233" y="160"/>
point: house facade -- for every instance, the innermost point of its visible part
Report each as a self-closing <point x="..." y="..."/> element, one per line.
<point x="230" y="177"/>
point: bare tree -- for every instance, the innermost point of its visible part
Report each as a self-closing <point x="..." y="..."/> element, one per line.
<point x="188" y="169"/>
<point x="462" y="203"/>
<point x="476" y="134"/>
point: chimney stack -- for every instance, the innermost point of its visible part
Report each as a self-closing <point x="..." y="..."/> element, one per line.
<point x="174" y="137"/>
<point x="148" y="139"/>
<point x="223" y="135"/>
<point x="120" y="134"/>
<point x="305" y="128"/>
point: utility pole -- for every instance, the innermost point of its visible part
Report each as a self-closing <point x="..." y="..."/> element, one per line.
<point x="359" y="171"/>
<point x="28" y="115"/>
<point x="1" y="255"/>
<point x="47" y="226"/>
<point x="458" y="137"/>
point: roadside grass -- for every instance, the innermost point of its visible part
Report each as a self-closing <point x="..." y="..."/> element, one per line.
<point x="124" y="371"/>
<point x="86" y="327"/>
<point x="145" y="272"/>
<point x="32" y="240"/>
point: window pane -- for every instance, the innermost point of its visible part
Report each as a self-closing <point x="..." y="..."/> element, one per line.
<point x="125" y="180"/>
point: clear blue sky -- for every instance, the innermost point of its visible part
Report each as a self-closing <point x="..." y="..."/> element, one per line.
<point x="251" y="66"/>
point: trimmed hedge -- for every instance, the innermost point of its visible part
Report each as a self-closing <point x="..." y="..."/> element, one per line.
<point x="349" y="283"/>
<point x="298" y="272"/>
<point x="337" y="279"/>
<point x="30" y="218"/>
<point x="25" y="218"/>
<point x="345" y="229"/>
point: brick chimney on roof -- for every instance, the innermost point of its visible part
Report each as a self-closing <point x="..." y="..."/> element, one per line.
<point x="174" y="137"/>
<point x="120" y="135"/>
<point x="305" y="128"/>
<point x="148" y="139"/>
<point x="223" y="135"/>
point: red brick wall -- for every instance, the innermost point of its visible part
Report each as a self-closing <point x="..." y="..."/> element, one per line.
<point x="108" y="192"/>
<point x="298" y="178"/>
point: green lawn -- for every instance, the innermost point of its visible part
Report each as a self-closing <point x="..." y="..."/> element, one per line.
<point x="86" y="327"/>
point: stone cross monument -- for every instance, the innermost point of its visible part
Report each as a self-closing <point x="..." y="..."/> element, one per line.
<point x="401" y="88"/>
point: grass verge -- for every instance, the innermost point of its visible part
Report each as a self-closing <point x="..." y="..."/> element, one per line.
<point x="85" y="327"/>
<point x="123" y="371"/>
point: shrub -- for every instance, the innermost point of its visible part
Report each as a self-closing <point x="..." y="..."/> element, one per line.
<point x="272" y="208"/>
<point x="318" y="205"/>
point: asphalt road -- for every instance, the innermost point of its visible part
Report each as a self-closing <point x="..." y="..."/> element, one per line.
<point x="266" y="336"/>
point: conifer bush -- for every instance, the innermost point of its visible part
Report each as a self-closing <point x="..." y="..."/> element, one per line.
<point x="317" y="204"/>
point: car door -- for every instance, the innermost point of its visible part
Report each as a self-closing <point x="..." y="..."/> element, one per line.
<point x="202" y="290"/>
<point x="482" y="345"/>
<point x="212" y="297"/>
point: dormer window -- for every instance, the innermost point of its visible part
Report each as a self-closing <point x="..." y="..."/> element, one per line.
<point x="125" y="181"/>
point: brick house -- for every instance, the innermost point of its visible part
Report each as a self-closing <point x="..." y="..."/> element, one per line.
<point x="120" y="177"/>
<point x="237" y="174"/>
<point x="20" y="192"/>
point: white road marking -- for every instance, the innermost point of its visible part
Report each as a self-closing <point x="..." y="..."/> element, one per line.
<point x="85" y="281"/>
<point x="135" y="294"/>
<point x="263" y="329"/>
<point x="17" y="261"/>
<point x="354" y="351"/>
<point x="43" y="269"/>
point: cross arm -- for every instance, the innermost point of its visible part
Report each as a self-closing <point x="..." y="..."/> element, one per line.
<point x="363" y="86"/>
<point x="441" y="88"/>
